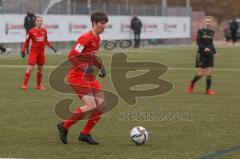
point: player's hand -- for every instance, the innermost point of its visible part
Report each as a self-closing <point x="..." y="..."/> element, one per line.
<point x="88" y="70"/>
<point x="207" y="49"/>
<point x="23" y="54"/>
<point x="216" y="54"/>
<point x="102" y="72"/>
<point x="55" y="51"/>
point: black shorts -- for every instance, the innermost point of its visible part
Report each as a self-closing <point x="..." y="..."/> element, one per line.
<point x="204" y="61"/>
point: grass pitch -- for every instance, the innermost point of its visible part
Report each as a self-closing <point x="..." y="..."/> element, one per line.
<point x="28" y="122"/>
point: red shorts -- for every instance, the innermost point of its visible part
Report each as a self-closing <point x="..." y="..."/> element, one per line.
<point x="36" y="57"/>
<point x="83" y="84"/>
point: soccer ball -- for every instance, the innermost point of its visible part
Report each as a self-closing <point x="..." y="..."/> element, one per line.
<point x="139" y="135"/>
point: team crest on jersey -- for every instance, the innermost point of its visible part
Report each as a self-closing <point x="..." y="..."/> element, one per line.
<point x="79" y="48"/>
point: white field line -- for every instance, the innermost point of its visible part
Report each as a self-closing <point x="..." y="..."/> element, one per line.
<point x="169" y="68"/>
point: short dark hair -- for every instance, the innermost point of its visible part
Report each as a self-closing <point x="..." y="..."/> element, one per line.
<point x="208" y="17"/>
<point x="39" y="17"/>
<point x="98" y="17"/>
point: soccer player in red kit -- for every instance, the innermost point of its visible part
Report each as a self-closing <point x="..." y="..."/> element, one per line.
<point x="38" y="36"/>
<point x="83" y="81"/>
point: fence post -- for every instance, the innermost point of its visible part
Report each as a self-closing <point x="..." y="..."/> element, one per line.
<point x="69" y="7"/>
<point x="189" y="8"/>
<point x="22" y="7"/>
<point x="1" y="8"/>
<point x="74" y="8"/>
<point x="155" y="10"/>
<point x="118" y="9"/>
<point x="89" y="6"/>
<point x="132" y="10"/>
<point x="104" y="7"/>
<point x="39" y="7"/>
<point x="144" y="9"/>
<point x="188" y="4"/>
<point x="164" y="7"/>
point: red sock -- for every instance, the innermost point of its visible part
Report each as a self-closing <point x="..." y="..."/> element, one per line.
<point x="26" y="78"/>
<point x="77" y="115"/>
<point x="92" y="121"/>
<point x="39" y="78"/>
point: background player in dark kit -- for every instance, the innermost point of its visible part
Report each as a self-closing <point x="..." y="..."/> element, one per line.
<point x="205" y="56"/>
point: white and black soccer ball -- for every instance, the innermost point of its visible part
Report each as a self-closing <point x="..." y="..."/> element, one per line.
<point x="139" y="135"/>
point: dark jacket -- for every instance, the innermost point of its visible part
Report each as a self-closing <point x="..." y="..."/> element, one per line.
<point x="234" y="26"/>
<point x="29" y="21"/>
<point x="136" y="25"/>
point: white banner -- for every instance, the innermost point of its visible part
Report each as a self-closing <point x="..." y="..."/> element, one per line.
<point x="69" y="28"/>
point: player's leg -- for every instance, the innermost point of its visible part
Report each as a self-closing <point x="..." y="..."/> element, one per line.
<point x="27" y="76"/>
<point x="39" y="78"/>
<point x="78" y="114"/>
<point x="198" y="76"/>
<point x="201" y="65"/>
<point x="3" y="49"/>
<point x="94" y="118"/>
<point x="32" y="60"/>
<point x="96" y="114"/>
<point x="209" y="82"/>
<point x="138" y="40"/>
<point x="27" y="50"/>
<point x="135" y="40"/>
<point x="40" y="62"/>
<point x="233" y="37"/>
<point x="210" y="64"/>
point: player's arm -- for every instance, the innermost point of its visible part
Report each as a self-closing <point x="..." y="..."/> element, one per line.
<point x="26" y="43"/>
<point x="91" y="58"/>
<point x="77" y="57"/>
<point x="214" y="50"/>
<point x="48" y="43"/>
<point x="213" y="47"/>
<point x="51" y="46"/>
<point x="140" y="23"/>
<point x="199" y="41"/>
<point x="100" y="66"/>
<point x="97" y="62"/>
<point x="132" y="27"/>
<point x="25" y="23"/>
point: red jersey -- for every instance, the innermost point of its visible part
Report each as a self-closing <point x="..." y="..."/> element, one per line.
<point x="39" y="39"/>
<point x="84" y="50"/>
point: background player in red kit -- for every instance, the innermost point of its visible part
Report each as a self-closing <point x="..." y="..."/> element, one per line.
<point x="38" y="36"/>
<point x="83" y="82"/>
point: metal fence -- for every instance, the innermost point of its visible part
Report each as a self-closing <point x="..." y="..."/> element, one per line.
<point x="79" y="7"/>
